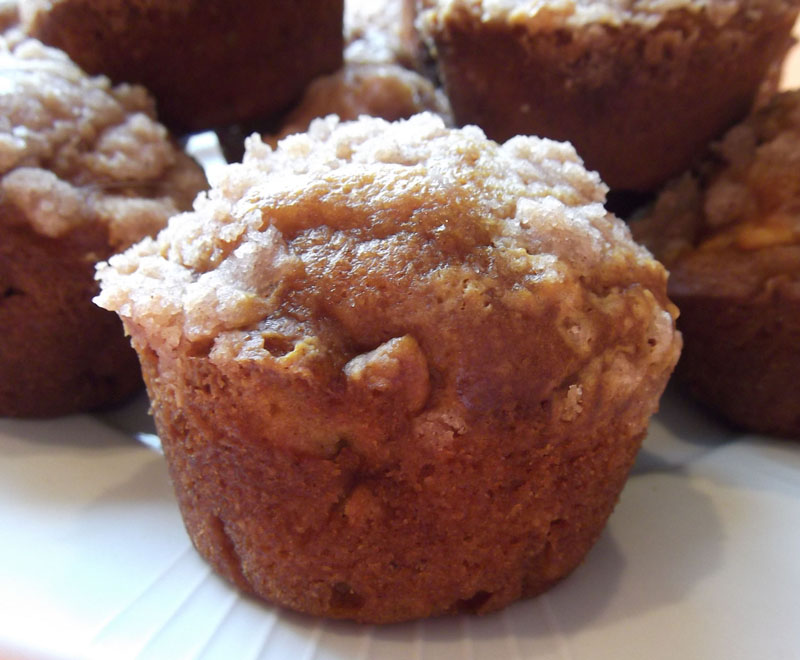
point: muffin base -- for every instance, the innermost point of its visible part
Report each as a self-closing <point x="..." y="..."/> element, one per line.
<point x="741" y="357"/>
<point x="506" y="516"/>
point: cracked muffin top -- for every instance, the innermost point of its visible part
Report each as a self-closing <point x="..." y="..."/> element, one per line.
<point x="427" y="268"/>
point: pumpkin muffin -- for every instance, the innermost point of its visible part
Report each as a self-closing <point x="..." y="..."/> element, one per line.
<point x="640" y="87"/>
<point x="398" y="370"/>
<point x="85" y="171"/>
<point x="208" y="62"/>
<point x="729" y="232"/>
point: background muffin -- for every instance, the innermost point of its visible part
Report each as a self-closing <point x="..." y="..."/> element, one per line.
<point x="85" y="171"/>
<point x="730" y="234"/>
<point x="388" y="91"/>
<point x="207" y="62"/>
<point x="430" y="360"/>
<point x="639" y="88"/>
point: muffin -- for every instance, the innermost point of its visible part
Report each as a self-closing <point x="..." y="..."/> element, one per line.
<point x="208" y="62"/>
<point x="729" y="232"/>
<point x="85" y="171"/>
<point x="640" y="88"/>
<point x="430" y="359"/>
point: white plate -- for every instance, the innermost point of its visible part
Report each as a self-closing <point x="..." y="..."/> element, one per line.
<point x="701" y="559"/>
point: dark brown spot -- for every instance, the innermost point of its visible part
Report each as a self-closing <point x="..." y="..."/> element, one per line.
<point x="10" y="292"/>
<point x="344" y="599"/>
<point x="277" y="345"/>
<point x="200" y="348"/>
<point x="472" y="604"/>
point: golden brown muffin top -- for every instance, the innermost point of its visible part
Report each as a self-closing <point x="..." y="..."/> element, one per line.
<point x="454" y="273"/>
<point x="553" y="14"/>
<point x="740" y="206"/>
<point x="73" y="149"/>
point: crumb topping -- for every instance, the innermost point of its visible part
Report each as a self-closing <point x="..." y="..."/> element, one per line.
<point x="530" y="201"/>
<point x="73" y="149"/>
<point x="378" y="254"/>
<point x="745" y="197"/>
<point x="377" y="31"/>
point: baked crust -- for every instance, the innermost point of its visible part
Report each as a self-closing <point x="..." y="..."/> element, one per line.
<point x="60" y="353"/>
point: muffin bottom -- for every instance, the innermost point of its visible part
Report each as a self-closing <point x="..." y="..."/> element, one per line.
<point x="503" y="517"/>
<point x="741" y="358"/>
<point x="206" y="64"/>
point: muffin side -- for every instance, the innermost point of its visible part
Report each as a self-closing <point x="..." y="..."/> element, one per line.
<point x="640" y="92"/>
<point x="208" y="63"/>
